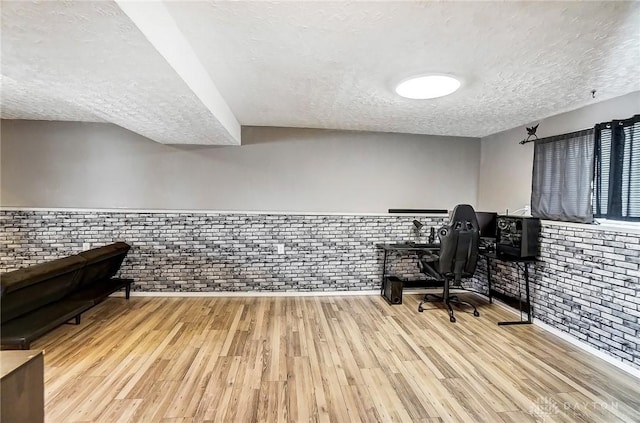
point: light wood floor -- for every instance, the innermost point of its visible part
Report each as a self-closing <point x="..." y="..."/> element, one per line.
<point x="299" y="359"/>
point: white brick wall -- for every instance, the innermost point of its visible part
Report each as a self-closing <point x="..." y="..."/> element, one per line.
<point x="219" y="252"/>
<point x="586" y="283"/>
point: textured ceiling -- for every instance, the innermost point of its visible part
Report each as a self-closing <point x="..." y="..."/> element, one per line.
<point x="336" y="64"/>
<point x="318" y="64"/>
<point x="86" y="61"/>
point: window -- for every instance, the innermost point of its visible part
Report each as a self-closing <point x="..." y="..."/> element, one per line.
<point x="562" y="177"/>
<point x="616" y="194"/>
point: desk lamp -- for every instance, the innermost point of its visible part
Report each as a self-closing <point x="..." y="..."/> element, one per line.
<point x="417" y="226"/>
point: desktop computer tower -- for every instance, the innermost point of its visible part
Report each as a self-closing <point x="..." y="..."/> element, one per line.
<point x="393" y="290"/>
<point x="517" y="237"/>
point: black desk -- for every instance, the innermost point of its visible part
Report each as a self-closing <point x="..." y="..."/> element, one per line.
<point x="525" y="262"/>
<point x="418" y="249"/>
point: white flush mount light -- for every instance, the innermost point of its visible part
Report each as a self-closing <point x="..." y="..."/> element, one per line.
<point x="426" y="87"/>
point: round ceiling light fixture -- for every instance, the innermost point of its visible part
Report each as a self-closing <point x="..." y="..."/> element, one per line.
<point x="427" y="86"/>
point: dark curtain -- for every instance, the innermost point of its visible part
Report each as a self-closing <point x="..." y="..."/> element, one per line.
<point x="617" y="172"/>
<point x="562" y="175"/>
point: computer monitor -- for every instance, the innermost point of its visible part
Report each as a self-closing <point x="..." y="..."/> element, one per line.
<point x="487" y="224"/>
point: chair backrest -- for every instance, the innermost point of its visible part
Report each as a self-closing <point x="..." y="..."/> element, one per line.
<point x="459" y="244"/>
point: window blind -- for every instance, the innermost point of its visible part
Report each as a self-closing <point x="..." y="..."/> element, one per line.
<point x="562" y="177"/>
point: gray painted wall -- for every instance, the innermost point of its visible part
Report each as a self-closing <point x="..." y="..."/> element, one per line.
<point x="95" y="165"/>
<point x="506" y="166"/>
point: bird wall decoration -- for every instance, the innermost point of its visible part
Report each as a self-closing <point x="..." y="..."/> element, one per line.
<point x="531" y="132"/>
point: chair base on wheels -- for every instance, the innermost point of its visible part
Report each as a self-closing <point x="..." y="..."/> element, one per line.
<point x="452" y="299"/>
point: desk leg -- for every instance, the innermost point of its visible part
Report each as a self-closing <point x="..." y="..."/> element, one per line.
<point x="529" y="312"/>
<point x="526" y="284"/>
<point x="384" y="272"/>
<point x="489" y="278"/>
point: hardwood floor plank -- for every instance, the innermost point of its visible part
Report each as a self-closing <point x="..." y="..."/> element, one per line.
<point x="516" y="417"/>
<point x="146" y="361"/>
<point x="321" y="359"/>
<point x="119" y="411"/>
<point x="474" y="405"/>
<point x="155" y="404"/>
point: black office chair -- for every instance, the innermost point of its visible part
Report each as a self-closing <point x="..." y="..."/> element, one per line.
<point x="457" y="258"/>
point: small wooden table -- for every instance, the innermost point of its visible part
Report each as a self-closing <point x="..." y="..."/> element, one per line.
<point x="22" y="386"/>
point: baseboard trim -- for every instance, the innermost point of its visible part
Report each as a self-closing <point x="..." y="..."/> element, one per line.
<point x="577" y="343"/>
<point x="250" y="294"/>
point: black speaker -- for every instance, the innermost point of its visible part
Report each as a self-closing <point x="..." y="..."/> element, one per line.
<point x="517" y="237"/>
<point x="393" y="290"/>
